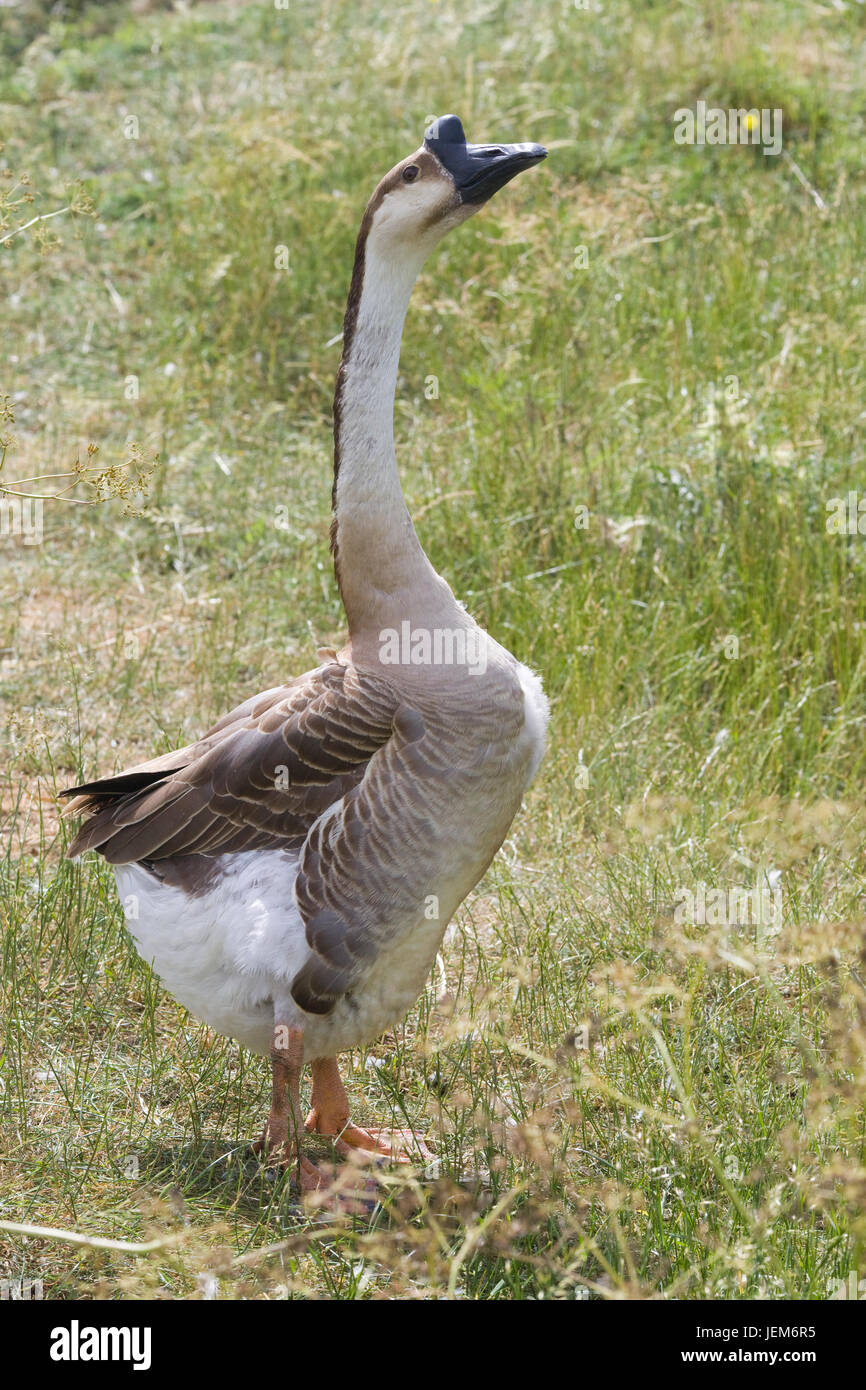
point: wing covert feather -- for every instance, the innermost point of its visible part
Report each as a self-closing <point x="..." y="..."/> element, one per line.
<point x="259" y="778"/>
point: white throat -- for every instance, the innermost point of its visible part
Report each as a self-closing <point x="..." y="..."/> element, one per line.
<point x="383" y="573"/>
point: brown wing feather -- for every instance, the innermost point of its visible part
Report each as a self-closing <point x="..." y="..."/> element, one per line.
<point x="258" y="779"/>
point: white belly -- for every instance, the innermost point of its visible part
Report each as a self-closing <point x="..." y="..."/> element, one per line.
<point x="225" y="953"/>
<point x="230" y="955"/>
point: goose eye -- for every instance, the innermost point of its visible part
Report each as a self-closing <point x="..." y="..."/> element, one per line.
<point x="410" y="173"/>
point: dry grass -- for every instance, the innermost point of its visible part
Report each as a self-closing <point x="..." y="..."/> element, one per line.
<point x="623" y="1104"/>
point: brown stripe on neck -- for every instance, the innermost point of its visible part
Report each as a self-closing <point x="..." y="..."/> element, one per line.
<point x="350" y="323"/>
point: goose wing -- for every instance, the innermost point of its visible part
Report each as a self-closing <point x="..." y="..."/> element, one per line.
<point x="259" y="779"/>
<point x="331" y="765"/>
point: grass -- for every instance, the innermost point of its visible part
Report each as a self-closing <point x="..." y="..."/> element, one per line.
<point x="625" y="473"/>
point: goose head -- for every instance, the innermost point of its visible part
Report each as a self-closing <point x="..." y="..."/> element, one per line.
<point x="443" y="183"/>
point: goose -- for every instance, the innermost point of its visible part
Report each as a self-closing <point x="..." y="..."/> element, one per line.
<point x="290" y="876"/>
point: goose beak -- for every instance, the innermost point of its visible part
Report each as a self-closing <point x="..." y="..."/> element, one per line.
<point x="478" y="171"/>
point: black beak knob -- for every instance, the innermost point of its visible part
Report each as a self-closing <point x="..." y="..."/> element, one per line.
<point x="478" y="171"/>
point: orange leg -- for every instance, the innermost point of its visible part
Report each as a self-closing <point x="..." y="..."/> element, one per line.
<point x="330" y="1115"/>
<point x="281" y="1138"/>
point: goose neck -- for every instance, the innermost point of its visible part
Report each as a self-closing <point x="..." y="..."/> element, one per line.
<point x="383" y="573"/>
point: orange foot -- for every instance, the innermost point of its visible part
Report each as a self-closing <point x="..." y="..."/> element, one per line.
<point x="279" y="1152"/>
<point x="344" y="1192"/>
<point x="329" y="1115"/>
<point x="400" y="1145"/>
